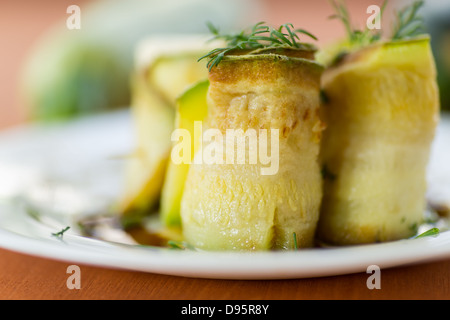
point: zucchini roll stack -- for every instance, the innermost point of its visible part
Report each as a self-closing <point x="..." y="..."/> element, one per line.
<point x="273" y="93"/>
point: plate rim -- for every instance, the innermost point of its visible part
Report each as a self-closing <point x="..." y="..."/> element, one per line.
<point x="233" y="265"/>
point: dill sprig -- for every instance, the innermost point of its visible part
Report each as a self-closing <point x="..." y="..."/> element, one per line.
<point x="60" y="233"/>
<point x="431" y="232"/>
<point x="409" y="23"/>
<point x="259" y="36"/>
<point x="179" y="245"/>
<point x="355" y="36"/>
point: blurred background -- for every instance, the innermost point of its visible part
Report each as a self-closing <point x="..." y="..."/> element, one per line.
<point x="49" y="72"/>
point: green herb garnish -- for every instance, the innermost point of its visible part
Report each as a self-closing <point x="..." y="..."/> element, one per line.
<point x="61" y="233"/>
<point x="179" y="245"/>
<point x="431" y="232"/>
<point x="355" y="36"/>
<point x="260" y="36"/>
<point x="295" y="241"/>
<point x="409" y="23"/>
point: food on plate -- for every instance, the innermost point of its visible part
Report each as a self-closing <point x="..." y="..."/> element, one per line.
<point x="262" y="80"/>
<point x="275" y="146"/>
<point x="165" y="66"/>
<point x="381" y="108"/>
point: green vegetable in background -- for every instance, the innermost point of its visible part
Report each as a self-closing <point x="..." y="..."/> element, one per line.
<point x="72" y="77"/>
<point x="76" y="72"/>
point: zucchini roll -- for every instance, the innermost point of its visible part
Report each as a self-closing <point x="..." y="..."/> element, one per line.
<point x="381" y="108"/>
<point x="164" y="67"/>
<point x="275" y="94"/>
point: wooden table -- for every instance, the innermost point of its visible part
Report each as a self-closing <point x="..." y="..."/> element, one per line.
<point x="28" y="277"/>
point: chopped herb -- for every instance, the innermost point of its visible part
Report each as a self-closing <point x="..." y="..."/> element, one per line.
<point x="179" y="245"/>
<point x="61" y="233"/>
<point x="431" y="232"/>
<point x="260" y="36"/>
<point x="295" y="241"/>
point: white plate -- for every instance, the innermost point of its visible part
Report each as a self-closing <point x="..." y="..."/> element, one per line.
<point x="71" y="170"/>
